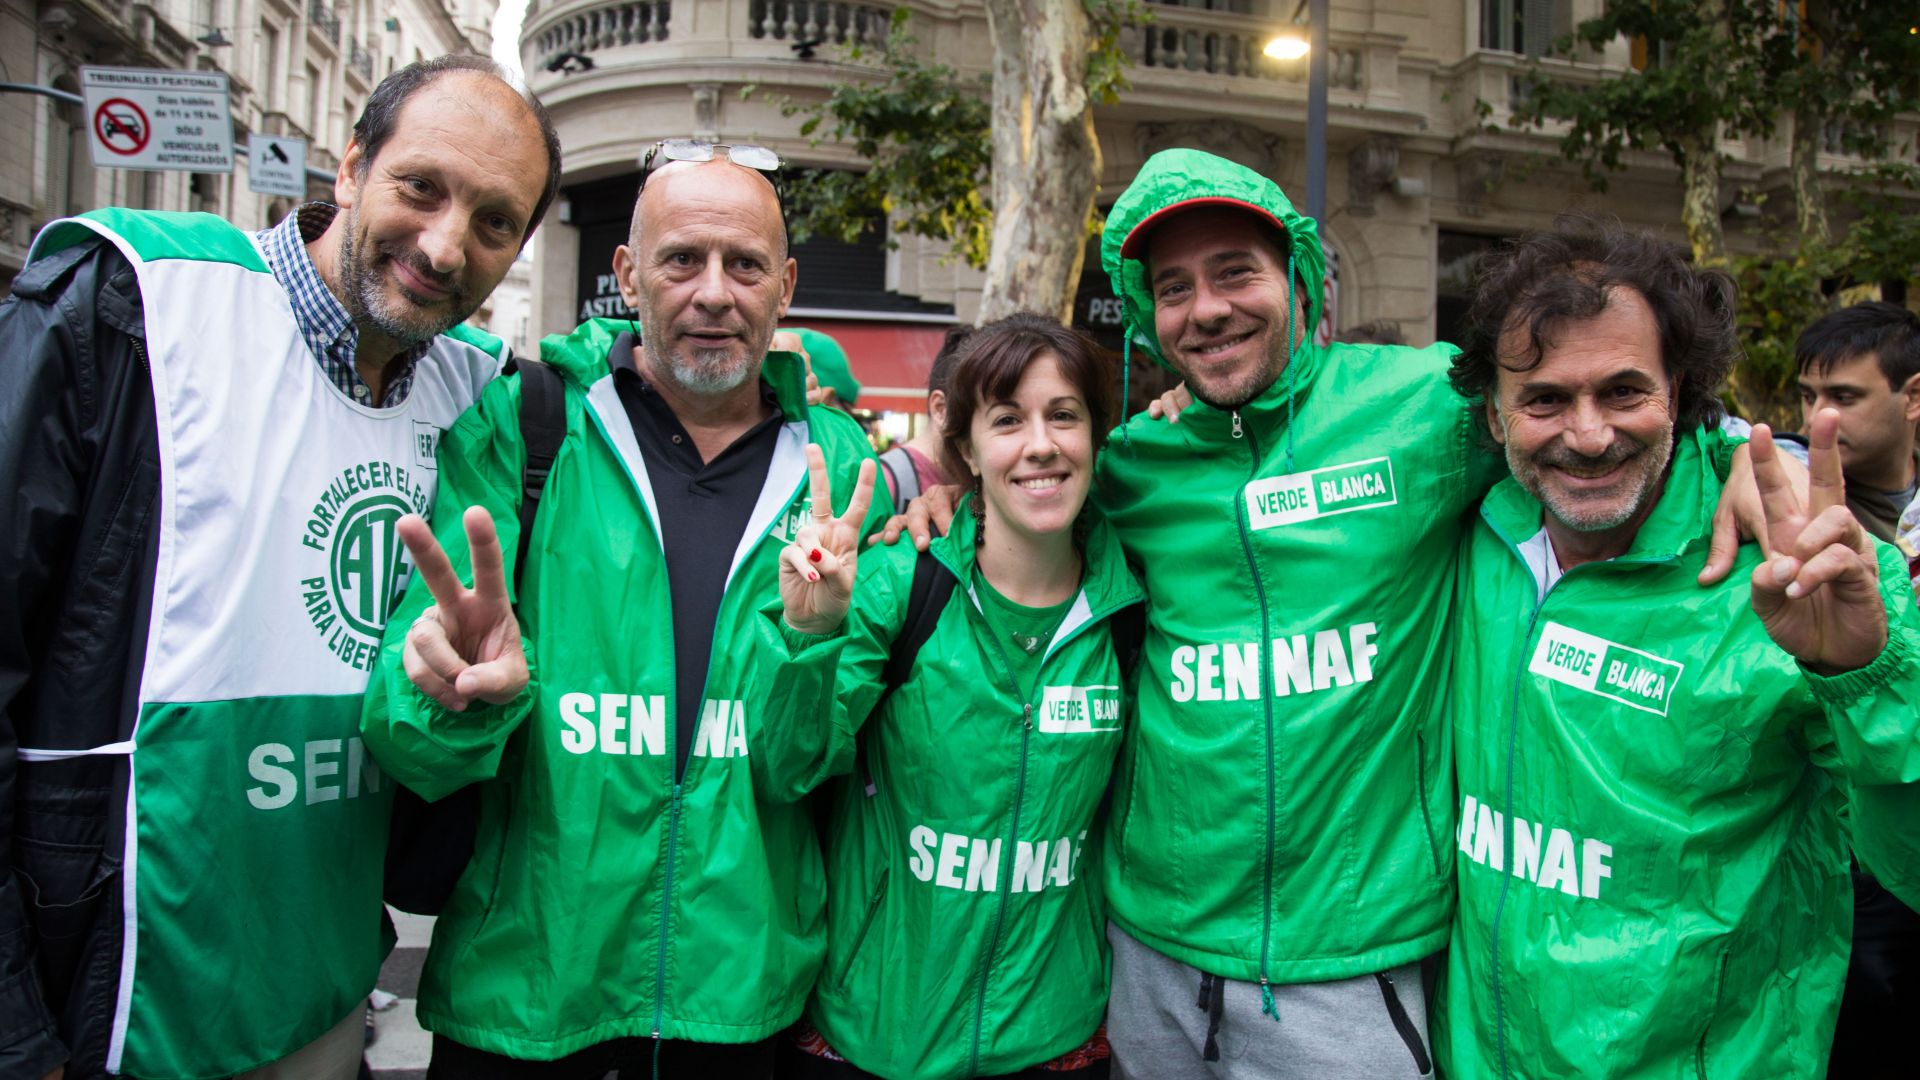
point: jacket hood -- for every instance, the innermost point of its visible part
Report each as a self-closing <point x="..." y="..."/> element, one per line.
<point x="1172" y="180"/>
<point x="581" y="357"/>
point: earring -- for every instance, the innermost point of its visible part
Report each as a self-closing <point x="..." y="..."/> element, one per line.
<point x="979" y="508"/>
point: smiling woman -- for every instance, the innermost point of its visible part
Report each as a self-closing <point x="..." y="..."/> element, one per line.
<point x="963" y="938"/>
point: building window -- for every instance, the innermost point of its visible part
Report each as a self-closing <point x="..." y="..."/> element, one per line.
<point x="266" y="68"/>
<point x="1524" y="26"/>
<point x="316" y="102"/>
<point x="1453" y="281"/>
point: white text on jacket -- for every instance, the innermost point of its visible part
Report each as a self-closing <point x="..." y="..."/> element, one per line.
<point x="1302" y="664"/>
<point x="941" y="858"/>
<point x="632" y="724"/>
<point x="1483" y="838"/>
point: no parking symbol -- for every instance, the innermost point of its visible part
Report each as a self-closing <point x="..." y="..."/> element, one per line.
<point x="122" y="126"/>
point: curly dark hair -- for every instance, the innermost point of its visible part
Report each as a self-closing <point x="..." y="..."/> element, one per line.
<point x="1541" y="281"/>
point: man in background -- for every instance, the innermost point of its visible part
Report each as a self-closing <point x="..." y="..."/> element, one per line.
<point x="1864" y="363"/>
<point x="915" y="465"/>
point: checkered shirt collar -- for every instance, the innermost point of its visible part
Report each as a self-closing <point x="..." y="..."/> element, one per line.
<point x="323" y="320"/>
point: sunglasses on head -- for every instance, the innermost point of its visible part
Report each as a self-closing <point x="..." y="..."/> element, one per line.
<point x="753" y="157"/>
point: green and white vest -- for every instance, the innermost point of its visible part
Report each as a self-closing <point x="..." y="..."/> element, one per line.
<point x="256" y="820"/>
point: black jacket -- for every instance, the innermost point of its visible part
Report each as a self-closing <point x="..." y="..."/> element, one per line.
<point x="79" y="483"/>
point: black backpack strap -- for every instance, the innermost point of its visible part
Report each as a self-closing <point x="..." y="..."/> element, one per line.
<point x="543" y="426"/>
<point x="430" y="844"/>
<point x="932" y="584"/>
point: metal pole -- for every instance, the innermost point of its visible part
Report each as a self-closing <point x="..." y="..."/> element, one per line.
<point x="322" y="175"/>
<point x="43" y="91"/>
<point x="1317" y="62"/>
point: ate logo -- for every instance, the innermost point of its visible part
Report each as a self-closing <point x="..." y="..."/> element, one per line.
<point x="358" y="567"/>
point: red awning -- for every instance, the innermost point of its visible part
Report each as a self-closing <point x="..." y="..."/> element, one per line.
<point x="890" y="359"/>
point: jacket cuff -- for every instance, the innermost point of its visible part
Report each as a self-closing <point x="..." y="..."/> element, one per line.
<point x="799" y="642"/>
<point x="482" y="715"/>
<point x="1850" y="686"/>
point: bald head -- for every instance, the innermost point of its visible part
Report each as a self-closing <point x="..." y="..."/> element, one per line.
<point x="709" y="183"/>
<point x="706" y="266"/>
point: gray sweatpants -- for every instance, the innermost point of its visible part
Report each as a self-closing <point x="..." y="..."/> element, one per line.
<point x="1164" y="1018"/>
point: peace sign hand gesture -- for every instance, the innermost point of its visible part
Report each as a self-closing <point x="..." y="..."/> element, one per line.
<point x="817" y="569"/>
<point x="1818" y="593"/>
<point x="467" y="645"/>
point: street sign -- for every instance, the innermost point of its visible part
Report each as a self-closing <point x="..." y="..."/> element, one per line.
<point x="155" y="118"/>
<point x="277" y="165"/>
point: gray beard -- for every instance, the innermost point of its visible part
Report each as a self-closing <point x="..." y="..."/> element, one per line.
<point x="704" y="372"/>
<point x="1650" y="465"/>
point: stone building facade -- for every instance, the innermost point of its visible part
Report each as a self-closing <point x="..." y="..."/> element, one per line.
<point x="296" y="67"/>
<point x="1421" y="172"/>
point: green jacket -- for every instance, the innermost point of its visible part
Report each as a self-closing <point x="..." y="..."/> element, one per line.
<point x="1652" y="868"/>
<point x="1280" y="811"/>
<point x="605" y="899"/>
<point x="965" y="930"/>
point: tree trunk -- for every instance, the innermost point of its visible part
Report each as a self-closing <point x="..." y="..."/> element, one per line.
<point x="1700" y="197"/>
<point x="1809" y="210"/>
<point x="1046" y="158"/>
<point x="1700" y="171"/>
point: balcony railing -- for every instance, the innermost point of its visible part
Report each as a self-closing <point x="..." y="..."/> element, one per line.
<point x="823" y="22"/>
<point x="359" y="59"/>
<point x="324" y="20"/>
<point x="1211" y="43"/>
<point x="608" y="26"/>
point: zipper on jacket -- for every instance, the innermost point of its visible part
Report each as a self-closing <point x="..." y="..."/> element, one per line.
<point x="866" y="926"/>
<point x="1266" y="704"/>
<point x="1012" y="841"/>
<point x="140" y="354"/>
<point x="678" y="772"/>
<point x="1513" y="735"/>
<point x="666" y="906"/>
<point x="1005" y="883"/>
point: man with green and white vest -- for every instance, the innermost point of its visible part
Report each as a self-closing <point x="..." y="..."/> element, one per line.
<point x="1653" y="864"/>
<point x="206" y="441"/>
<point x="638" y="899"/>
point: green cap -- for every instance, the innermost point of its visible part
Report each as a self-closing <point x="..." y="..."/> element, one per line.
<point x="830" y="365"/>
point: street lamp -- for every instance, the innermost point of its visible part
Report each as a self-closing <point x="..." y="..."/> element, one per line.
<point x="1292" y="45"/>
<point x="1288" y="47"/>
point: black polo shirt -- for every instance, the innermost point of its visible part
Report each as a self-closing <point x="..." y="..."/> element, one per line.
<point x="704" y="509"/>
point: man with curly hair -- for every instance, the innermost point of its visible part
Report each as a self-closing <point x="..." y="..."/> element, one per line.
<point x="1651" y="860"/>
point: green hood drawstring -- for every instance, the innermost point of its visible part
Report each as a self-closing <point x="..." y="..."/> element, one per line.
<point x="1126" y="379"/>
<point x="1293" y="384"/>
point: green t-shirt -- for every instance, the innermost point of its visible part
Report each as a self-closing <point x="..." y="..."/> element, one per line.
<point x="1021" y="632"/>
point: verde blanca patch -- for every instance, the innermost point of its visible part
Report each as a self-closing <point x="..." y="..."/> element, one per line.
<point x="1611" y="670"/>
<point x="1336" y="489"/>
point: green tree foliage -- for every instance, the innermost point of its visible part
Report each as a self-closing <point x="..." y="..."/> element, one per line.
<point x="925" y="131"/>
<point x="1834" y="72"/>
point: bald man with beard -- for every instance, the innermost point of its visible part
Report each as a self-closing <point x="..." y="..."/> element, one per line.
<point x="638" y="898"/>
